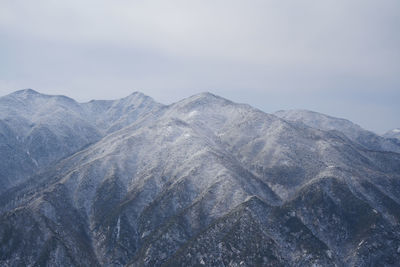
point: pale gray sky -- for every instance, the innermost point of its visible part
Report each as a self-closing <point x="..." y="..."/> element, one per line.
<point x="340" y="57"/>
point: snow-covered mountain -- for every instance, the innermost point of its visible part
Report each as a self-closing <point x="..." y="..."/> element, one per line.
<point x="352" y="131"/>
<point x="38" y="130"/>
<point x="395" y="133"/>
<point x="204" y="181"/>
<point x="112" y="115"/>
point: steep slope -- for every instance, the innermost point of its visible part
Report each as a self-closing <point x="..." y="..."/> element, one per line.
<point x="157" y="181"/>
<point x="210" y="182"/>
<point x="112" y="115"/>
<point x="37" y="130"/>
<point x="284" y="155"/>
<point x="352" y="131"/>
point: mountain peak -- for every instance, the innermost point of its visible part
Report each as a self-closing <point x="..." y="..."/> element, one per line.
<point x="207" y="95"/>
<point x="138" y="98"/>
<point x="394" y="133"/>
<point x="351" y="130"/>
<point x="30" y="93"/>
<point x="313" y="118"/>
<point x="135" y="95"/>
<point x="27" y="91"/>
<point x="202" y="99"/>
<point x="138" y="95"/>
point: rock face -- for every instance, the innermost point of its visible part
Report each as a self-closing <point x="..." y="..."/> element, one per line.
<point x="203" y="181"/>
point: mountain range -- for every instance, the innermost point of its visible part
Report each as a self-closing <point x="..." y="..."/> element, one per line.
<point x="203" y="181"/>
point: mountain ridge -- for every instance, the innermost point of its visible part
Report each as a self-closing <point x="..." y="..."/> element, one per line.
<point x="394" y="133"/>
<point x="205" y="181"/>
<point x="353" y="131"/>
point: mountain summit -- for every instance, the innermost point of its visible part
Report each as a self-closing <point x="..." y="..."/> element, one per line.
<point x="395" y="133"/>
<point x="203" y="181"/>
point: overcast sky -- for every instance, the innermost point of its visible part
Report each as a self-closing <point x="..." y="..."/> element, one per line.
<point x="340" y="57"/>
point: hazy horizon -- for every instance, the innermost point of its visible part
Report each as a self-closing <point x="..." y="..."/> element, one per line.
<point x="340" y="58"/>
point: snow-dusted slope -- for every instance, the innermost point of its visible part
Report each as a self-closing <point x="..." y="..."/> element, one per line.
<point x="37" y="130"/>
<point x="395" y="133"/>
<point x="352" y="131"/>
<point x="209" y="182"/>
<point x="112" y="115"/>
